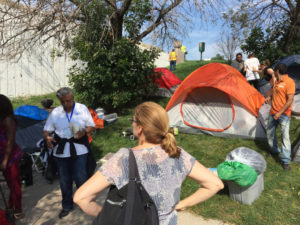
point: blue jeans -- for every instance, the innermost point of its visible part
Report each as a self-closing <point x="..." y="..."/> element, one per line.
<point x="284" y="122"/>
<point x="172" y="65"/>
<point x="68" y="170"/>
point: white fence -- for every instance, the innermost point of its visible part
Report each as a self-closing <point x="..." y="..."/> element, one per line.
<point x="37" y="73"/>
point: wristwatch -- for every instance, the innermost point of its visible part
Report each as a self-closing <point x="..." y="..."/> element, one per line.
<point x="85" y="132"/>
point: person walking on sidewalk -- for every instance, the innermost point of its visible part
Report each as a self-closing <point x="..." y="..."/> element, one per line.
<point x="282" y="99"/>
<point x="10" y="154"/>
<point x="173" y="60"/>
<point x="70" y="151"/>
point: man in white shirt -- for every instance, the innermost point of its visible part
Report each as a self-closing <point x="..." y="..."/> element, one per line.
<point x="71" y="157"/>
<point x="250" y="64"/>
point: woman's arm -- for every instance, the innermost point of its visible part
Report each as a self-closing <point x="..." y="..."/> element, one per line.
<point x="86" y="194"/>
<point x="10" y="127"/>
<point x="210" y="185"/>
<point x="273" y="79"/>
<point x="255" y="70"/>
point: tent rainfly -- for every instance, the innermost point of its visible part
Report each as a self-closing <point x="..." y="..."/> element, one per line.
<point x="167" y="83"/>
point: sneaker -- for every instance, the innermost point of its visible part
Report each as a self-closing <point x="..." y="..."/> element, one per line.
<point x="286" y="167"/>
<point x="64" y="213"/>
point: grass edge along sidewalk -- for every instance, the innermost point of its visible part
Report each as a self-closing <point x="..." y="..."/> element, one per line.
<point x="279" y="203"/>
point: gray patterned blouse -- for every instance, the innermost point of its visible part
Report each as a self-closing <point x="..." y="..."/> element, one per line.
<point x="161" y="175"/>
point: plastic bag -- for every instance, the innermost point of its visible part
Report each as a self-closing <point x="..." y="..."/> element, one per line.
<point x="242" y="174"/>
<point x="249" y="157"/>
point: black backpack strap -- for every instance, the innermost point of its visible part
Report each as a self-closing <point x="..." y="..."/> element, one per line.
<point x="133" y="177"/>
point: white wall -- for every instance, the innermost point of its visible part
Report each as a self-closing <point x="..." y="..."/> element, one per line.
<point x="36" y="73"/>
<point x="162" y="60"/>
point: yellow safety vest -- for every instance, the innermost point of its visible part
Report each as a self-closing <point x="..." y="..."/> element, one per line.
<point x="173" y="56"/>
<point x="183" y="48"/>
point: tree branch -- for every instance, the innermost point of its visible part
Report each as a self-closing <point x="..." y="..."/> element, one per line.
<point x="125" y="7"/>
<point x="157" y="22"/>
<point x="112" y="4"/>
<point x="280" y="6"/>
<point x="290" y="4"/>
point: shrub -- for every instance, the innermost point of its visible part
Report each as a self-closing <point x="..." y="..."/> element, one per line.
<point x="114" y="76"/>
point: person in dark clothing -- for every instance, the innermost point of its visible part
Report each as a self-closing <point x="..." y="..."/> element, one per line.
<point x="238" y="63"/>
<point x="10" y="154"/>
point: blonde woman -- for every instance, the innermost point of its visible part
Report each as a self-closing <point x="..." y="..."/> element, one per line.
<point x="162" y="165"/>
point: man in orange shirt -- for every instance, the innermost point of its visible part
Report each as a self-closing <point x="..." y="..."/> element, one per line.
<point x="282" y="99"/>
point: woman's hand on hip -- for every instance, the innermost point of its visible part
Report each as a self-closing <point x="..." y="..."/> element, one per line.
<point x="180" y="207"/>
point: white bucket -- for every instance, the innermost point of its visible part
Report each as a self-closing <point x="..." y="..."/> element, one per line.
<point x="100" y="115"/>
<point x="100" y="110"/>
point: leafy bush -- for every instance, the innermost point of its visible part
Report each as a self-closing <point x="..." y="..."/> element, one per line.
<point x="218" y="57"/>
<point x="113" y="76"/>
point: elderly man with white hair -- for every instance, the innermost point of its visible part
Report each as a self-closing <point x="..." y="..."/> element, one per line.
<point x="70" y="150"/>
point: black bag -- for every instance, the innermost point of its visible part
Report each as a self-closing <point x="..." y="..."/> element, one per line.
<point x="51" y="170"/>
<point x="25" y="164"/>
<point x="131" y="205"/>
<point x="91" y="164"/>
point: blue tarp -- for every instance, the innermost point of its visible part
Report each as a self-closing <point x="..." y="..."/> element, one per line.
<point x="32" y="112"/>
<point x="289" y="60"/>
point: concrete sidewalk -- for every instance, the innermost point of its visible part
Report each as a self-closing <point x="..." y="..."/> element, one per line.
<point x="42" y="204"/>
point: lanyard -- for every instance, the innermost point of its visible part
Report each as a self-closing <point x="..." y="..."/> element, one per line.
<point x="71" y="113"/>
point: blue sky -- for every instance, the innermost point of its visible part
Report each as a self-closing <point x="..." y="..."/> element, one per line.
<point x="205" y="32"/>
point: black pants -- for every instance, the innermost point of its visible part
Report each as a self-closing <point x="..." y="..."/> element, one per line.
<point x="255" y="83"/>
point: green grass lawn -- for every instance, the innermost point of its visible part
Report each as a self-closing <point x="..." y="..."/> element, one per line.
<point x="279" y="202"/>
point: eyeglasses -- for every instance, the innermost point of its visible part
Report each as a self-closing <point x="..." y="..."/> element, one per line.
<point x="132" y="120"/>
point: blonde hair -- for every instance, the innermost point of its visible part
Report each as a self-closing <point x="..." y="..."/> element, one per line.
<point x="266" y="63"/>
<point x="155" y="121"/>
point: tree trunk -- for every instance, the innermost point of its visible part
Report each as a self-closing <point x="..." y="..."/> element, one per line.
<point x="293" y="33"/>
<point x="117" y="27"/>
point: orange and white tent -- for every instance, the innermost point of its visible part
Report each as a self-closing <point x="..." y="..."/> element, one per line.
<point x="217" y="100"/>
